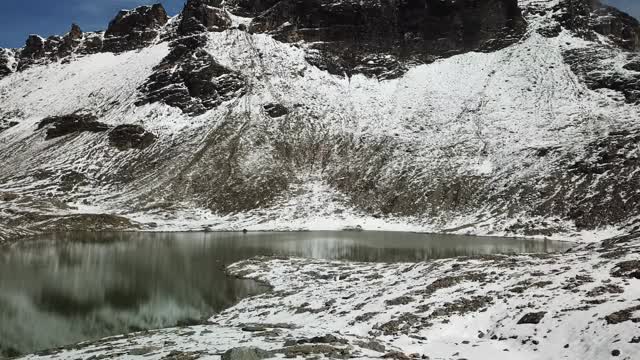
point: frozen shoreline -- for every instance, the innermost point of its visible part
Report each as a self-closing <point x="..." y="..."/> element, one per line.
<point x="472" y="308"/>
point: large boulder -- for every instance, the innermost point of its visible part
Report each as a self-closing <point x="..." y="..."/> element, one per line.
<point x="126" y="137"/>
<point x="246" y="353"/>
<point x="134" y="29"/>
<point x="58" y="126"/>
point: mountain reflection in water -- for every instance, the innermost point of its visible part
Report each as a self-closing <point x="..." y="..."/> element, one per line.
<point x="67" y="288"/>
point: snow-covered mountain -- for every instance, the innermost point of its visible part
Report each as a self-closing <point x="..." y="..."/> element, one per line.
<point x="473" y="116"/>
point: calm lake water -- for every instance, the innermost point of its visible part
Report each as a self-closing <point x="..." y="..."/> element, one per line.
<point x="68" y="288"/>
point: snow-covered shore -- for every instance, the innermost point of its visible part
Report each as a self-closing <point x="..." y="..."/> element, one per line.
<point x="584" y="304"/>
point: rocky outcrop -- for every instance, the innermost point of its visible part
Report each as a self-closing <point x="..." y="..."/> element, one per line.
<point x="8" y="62"/>
<point x="134" y="29"/>
<point x="189" y="78"/>
<point x="4" y="125"/>
<point x="39" y="51"/>
<point x="249" y="8"/>
<point x="126" y="137"/>
<point x="64" y="46"/>
<point x="592" y="64"/>
<point x="58" y="126"/>
<point x="129" y="30"/>
<point x="588" y="18"/>
<point x="612" y="33"/>
<point x="275" y="110"/>
<point x="378" y="38"/>
<point x="33" y="51"/>
<point x="203" y="15"/>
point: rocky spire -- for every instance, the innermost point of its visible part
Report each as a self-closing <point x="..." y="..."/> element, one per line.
<point x="203" y="15"/>
<point x="134" y="29"/>
<point x="75" y="33"/>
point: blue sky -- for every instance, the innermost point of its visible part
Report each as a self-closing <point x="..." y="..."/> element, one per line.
<point x="19" y="18"/>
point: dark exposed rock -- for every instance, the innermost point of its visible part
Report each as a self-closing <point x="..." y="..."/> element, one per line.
<point x="8" y="62"/>
<point x="587" y="18"/>
<point x="615" y="352"/>
<point x="183" y="355"/>
<point x="4" y="125"/>
<point x="605" y="289"/>
<point x="623" y="315"/>
<point x="41" y="51"/>
<point x="366" y="316"/>
<point x="61" y="47"/>
<point x="7" y="196"/>
<point x="33" y="50"/>
<point x="306" y="350"/>
<point x="203" y="15"/>
<point x="378" y="38"/>
<point x="246" y="353"/>
<point x="634" y="65"/>
<point x="125" y="137"/>
<point x="450" y="281"/>
<point x="629" y="269"/>
<point x="248" y="8"/>
<point x="591" y="65"/>
<point x="396" y="355"/>
<point x="92" y="43"/>
<point x="600" y="177"/>
<point x="401" y="325"/>
<point x="590" y="19"/>
<point x="462" y="306"/>
<point x="134" y="29"/>
<point x="402" y="300"/>
<point x="254" y="328"/>
<point x="276" y="110"/>
<point x="371" y="345"/>
<point x="326" y="339"/>
<point x="532" y="318"/>
<point x="58" y="126"/>
<point x="142" y="351"/>
<point x="71" y="179"/>
<point x="577" y="281"/>
<point x="189" y="78"/>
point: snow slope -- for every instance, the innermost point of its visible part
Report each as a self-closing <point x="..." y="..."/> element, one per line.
<point x="484" y="143"/>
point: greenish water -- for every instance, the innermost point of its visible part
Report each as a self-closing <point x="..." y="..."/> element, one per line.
<point x="67" y="288"/>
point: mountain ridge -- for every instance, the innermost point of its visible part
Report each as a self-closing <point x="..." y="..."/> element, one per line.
<point x="290" y="126"/>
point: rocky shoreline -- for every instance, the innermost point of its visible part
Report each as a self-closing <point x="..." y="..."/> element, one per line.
<point x="584" y="303"/>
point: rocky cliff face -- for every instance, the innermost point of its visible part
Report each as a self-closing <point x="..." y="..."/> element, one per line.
<point x="489" y="116"/>
<point x="189" y="78"/>
<point x="379" y="38"/>
<point x="8" y="63"/>
<point x="134" y="29"/>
